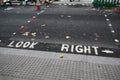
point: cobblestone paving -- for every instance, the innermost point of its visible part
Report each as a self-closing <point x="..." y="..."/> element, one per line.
<point x="35" y="68"/>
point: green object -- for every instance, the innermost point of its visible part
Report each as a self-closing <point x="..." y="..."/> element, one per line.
<point x="106" y="3"/>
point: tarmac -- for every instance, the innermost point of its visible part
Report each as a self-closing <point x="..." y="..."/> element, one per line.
<point x="20" y="64"/>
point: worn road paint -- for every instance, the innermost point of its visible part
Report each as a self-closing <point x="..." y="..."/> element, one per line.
<point x="107" y="19"/>
<point x="116" y="40"/>
<point x="109" y="24"/>
<point x="9" y="8"/>
<point x="112" y="31"/>
<point x="63" y="48"/>
<point x="42" y="11"/>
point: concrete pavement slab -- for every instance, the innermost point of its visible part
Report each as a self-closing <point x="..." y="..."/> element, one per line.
<point x="39" y="65"/>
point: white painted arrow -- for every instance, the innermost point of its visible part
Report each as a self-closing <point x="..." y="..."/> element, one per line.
<point x="107" y="51"/>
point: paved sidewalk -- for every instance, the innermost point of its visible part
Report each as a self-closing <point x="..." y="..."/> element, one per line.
<point x="81" y="2"/>
<point x="18" y="64"/>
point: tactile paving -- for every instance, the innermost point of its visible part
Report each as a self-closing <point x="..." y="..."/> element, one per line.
<point x="35" y="68"/>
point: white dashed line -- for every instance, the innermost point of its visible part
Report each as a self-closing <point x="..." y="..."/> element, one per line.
<point x="116" y="40"/>
<point x="73" y="4"/>
<point x="111" y="28"/>
<point x="105" y="15"/>
<point x="65" y="4"/>
<point x="67" y="37"/>
<point x="22" y="26"/>
<point x="34" y="16"/>
<point x="0" y="40"/>
<point x="112" y="31"/>
<point x="42" y="11"/>
<point x="69" y="16"/>
<point x="109" y="25"/>
<point x="61" y="15"/>
<point x="28" y="21"/>
<point x="107" y="19"/>
<point x="48" y="6"/>
<point x="9" y="8"/>
<point x="14" y="33"/>
<point x="60" y="4"/>
<point x="45" y="8"/>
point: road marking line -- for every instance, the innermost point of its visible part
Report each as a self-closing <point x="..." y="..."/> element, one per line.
<point x="112" y="31"/>
<point x="60" y="4"/>
<point x="109" y="24"/>
<point x="9" y="8"/>
<point x="69" y="16"/>
<point x="0" y="40"/>
<point x="65" y="4"/>
<point x="34" y="16"/>
<point x="14" y="33"/>
<point x="42" y="11"/>
<point x="45" y="8"/>
<point x="107" y="19"/>
<point x="61" y="15"/>
<point x="107" y="51"/>
<point x="28" y="21"/>
<point x="116" y="40"/>
<point x="67" y="37"/>
<point x="105" y="15"/>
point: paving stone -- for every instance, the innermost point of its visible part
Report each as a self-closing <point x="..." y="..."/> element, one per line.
<point x="27" y="67"/>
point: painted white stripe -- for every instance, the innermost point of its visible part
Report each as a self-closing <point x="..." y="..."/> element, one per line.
<point x="9" y="8"/>
<point x="112" y="31"/>
<point x="108" y="51"/>
<point x="116" y="40"/>
<point x="69" y="16"/>
<point x="60" y="4"/>
<point x="105" y="15"/>
<point x="14" y="33"/>
<point x="28" y="21"/>
<point x="42" y="11"/>
<point x="107" y="19"/>
<point x="34" y="16"/>
<point x="65" y="4"/>
<point x="109" y="24"/>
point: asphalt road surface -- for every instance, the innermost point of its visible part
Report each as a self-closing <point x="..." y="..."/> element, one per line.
<point x="61" y="28"/>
